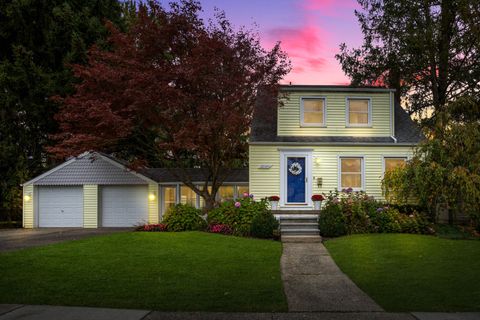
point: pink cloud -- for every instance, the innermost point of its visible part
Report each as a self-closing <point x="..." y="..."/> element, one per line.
<point x="304" y="38"/>
<point x="310" y="45"/>
<point x="316" y="63"/>
<point x="304" y="45"/>
<point x="328" y="7"/>
<point x="318" y="4"/>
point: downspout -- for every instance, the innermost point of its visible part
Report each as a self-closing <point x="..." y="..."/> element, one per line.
<point x="392" y="119"/>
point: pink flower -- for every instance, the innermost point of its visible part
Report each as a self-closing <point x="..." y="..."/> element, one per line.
<point x="245" y="194"/>
<point x="237" y="204"/>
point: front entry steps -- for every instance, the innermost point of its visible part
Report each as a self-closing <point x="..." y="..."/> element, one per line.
<point x="296" y="227"/>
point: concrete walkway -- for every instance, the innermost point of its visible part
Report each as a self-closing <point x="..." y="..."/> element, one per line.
<point x="21" y="312"/>
<point x="14" y="239"/>
<point x="313" y="282"/>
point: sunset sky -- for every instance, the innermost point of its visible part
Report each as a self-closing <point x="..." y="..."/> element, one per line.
<point x="309" y="30"/>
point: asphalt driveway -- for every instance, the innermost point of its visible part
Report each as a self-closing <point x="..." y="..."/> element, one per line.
<point x="14" y="239"/>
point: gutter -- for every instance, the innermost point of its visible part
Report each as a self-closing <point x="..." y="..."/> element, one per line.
<point x="394" y="139"/>
<point x="280" y="143"/>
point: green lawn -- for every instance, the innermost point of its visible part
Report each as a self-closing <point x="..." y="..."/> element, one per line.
<point x="161" y="271"/>
<point x="412" y="272"/>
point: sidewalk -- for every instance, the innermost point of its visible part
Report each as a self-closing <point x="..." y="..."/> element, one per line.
<point x="313" y="282"/>
<point x="81" y="313"/>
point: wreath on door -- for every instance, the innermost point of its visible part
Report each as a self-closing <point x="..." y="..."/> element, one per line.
<point x="295" y="168"/>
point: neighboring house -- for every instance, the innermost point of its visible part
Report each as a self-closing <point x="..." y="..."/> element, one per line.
<point x="324" y="138"/>
<point x="95" y="190"/>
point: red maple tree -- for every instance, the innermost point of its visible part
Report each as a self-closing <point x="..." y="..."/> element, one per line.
<point x="171" y="91"/>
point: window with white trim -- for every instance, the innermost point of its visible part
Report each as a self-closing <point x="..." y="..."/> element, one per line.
<point x="188" y="196"/>
<point x="351" y="173"/>
<point x="313" y="112"/>
<point x="391" y="163"/>
<point x="358" y="112"/>
<point x="169" y="197"/>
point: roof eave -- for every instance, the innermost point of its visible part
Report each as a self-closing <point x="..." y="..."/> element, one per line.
<point x="317" y="88"/>
<point x="334" y="143"/>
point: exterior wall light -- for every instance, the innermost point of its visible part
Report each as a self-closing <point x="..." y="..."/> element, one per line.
<point x="151" y="196"/>
<point x="317" y="161"/>
<point x="27" y="197"/>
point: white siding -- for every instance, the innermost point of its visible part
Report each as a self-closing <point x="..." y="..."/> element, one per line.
<point x="90" y="206"/>
<point x="289" y="116"/>
<point x="266" y="182"/>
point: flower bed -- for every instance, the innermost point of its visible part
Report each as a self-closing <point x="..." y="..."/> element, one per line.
<point x="159" y="227"/>
<point x="349" y="212"/>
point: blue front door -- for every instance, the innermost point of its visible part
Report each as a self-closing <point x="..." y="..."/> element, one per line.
<point x="296" y="179"/>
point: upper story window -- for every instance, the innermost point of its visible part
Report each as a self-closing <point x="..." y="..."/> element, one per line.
<point x="359" y="112"/>
<point x="313" y="111"/>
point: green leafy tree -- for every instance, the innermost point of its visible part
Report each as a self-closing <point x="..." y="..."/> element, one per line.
<point x="39" y="40"/>
<point x="445" y="170"/>
<point x="428" y="50"/>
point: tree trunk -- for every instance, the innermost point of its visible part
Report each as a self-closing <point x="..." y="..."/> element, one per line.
<point x="209" y="202"/>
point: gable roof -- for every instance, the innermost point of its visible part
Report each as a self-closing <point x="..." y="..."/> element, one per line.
<point x="90" y="168"/>
<point x="264" y="124"/>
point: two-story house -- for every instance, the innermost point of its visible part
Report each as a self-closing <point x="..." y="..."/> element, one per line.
<point x="323" y="138"/>
<point x="319" y="139"/>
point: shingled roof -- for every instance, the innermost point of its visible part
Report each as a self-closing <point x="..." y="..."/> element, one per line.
<point x="164" y="175"/>
<point x="89" y="168"/>
<point x="264" y="124"/>
<point x="104" y="169"/>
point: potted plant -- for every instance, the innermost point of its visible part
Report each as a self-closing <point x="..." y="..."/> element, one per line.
<point x="274" y="202"/>
<point x="317" y="201"/>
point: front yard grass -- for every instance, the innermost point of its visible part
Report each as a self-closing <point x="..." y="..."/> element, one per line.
<point x="189" y="271"/>
<point x="405" y="272"/>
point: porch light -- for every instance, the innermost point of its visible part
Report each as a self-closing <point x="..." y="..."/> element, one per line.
<point x="317" y="161"/>
<point x="27" y="197"/>
<point x="151" y="196"/>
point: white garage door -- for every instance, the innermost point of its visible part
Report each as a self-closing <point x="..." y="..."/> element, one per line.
<point x="124" y="206"/>
<point x="60" y="206"/>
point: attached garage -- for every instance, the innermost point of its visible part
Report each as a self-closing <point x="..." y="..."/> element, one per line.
<point x="124" y="206"/>
<point x="60" y="206"/>
<point x="95" y="190"/>
<point x="90" y="191"/>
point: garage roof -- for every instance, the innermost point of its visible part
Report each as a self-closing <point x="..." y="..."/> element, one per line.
<point x="90" y="168"/>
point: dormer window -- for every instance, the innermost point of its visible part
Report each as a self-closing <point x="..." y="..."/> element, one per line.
<point x="313" y="112"/>
<point x="359" y="112"/>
